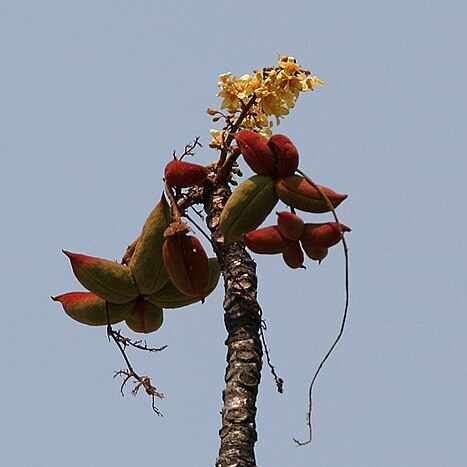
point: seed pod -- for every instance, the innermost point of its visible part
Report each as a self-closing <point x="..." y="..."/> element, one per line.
<point x="107" y="279"/>
<point x="293" y="256"/>
<point x="187" y="264"/>
<point x="256" y="152"/>
<point x="298" y="193"/>
<point x="316" y="254"/>
<point x="286" y="155"/>
<point x="323" y="235"/>
<point x="170" y="297"/>
<point x="146" y="263"/>
<point x="247" y="207"/>
<point x="184" y="174"/>
<point x="267" y="240"/>
<point x="145" y="317"/>
<point x="88" y="308"/>
<point x="290" y="225"/>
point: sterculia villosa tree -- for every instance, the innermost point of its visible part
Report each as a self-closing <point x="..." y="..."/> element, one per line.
<point x="167" y="266"/>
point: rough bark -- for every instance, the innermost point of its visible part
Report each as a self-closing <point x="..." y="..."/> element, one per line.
<point x="244" y="352"/>
<point x="238" y="433"/>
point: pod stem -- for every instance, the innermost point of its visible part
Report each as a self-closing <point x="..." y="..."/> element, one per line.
<point x="174" y="209"/>
<point x="234" y="128"/>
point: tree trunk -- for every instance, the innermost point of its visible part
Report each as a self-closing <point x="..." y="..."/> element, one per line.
<point x="244" y="351"/>
<point x="238" y="433"/>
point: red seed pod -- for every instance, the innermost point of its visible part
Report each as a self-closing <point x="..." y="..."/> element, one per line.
<point x="298" y="193"/>
<point x="290" y="225"/>
<point x="267" y="240"/>
<point x="184" y="174"/>
<point x="286" y="155"/>
<point x="294" y="256"/>
<point x="323" y="235"/>
<point x="256" y="152"/>
<point x="171" y="297"/>
<point x="187" y="264"/>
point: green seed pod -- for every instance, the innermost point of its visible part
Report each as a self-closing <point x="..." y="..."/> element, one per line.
<point x="170" y="297"/>
<point x="145" y="317"/>
<point x="247" y="207"/>
<point x="107" y="279"/>
<point x="146" y="263"/>
<point x="88" y="308"/>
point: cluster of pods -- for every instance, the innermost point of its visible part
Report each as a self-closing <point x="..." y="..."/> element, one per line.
<point x="275" y="162"/>
<point x="168" y="269"/>
<point x="291" y="236"/>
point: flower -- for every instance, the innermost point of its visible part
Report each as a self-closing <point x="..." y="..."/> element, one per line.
<point x="217" y="140"/>
<point x="270" y="94"/>
<point x="234" y="91"/>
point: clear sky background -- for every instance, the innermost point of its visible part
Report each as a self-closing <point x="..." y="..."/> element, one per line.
<point x="95" y="96"/>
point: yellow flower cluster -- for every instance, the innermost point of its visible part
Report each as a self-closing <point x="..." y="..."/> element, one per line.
<point x="270" y="92"/>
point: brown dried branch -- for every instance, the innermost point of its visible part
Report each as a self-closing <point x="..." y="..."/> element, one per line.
<point x="277" y="379"/>
<point x="141" y="344"/>
<point x="140" y="381"/>
<point x="189" y="148"/>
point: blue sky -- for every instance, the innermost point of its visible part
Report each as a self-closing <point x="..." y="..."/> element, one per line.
<point x="94" y="98"/>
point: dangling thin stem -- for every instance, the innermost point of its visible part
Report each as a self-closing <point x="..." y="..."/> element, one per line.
<point x="344" y="317"/>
